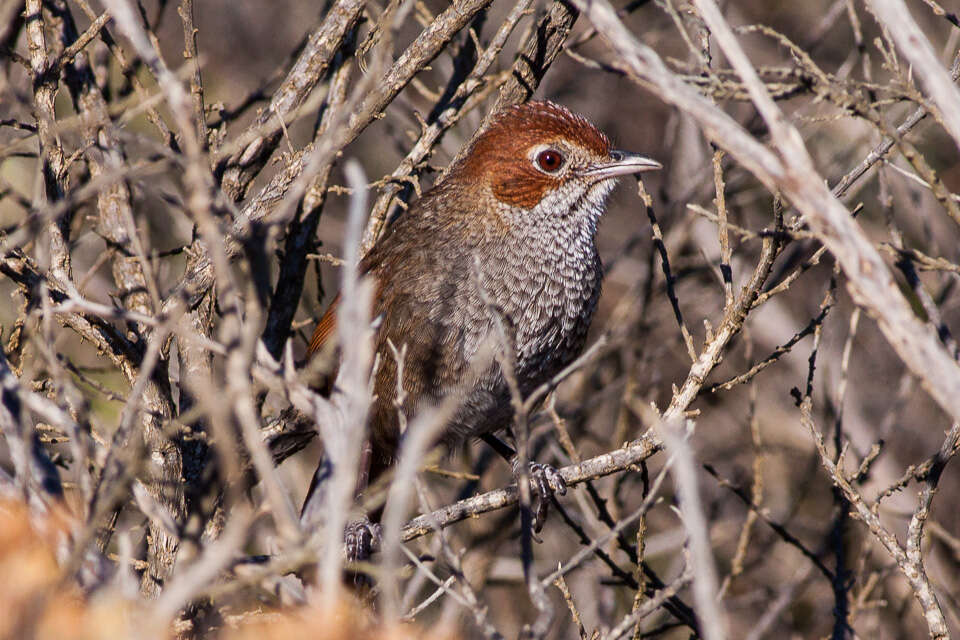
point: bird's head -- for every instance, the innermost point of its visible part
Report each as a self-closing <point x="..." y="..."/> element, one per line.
<point x="543" y="162"/>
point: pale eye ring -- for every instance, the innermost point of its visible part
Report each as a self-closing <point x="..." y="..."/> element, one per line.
<point x="550" y="160"/>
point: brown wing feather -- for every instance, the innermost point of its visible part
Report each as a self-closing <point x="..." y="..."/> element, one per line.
<point x="415" y="302"/>
<point x="324" y="328"/>
<point x="328" y="323"/>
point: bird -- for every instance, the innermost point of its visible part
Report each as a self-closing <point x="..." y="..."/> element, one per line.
<point x="507" y="236"/>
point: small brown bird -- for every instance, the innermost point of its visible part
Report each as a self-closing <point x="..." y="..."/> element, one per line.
<point x="512" y="228"/>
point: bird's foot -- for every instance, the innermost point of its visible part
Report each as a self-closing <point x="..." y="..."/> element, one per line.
<point x="362" y="538"/>
<point x="546" y="483"/>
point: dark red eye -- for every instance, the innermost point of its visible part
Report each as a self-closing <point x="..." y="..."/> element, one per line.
<point x="550" y="160"/>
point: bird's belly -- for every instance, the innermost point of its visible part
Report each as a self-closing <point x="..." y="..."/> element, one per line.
<point x="486" y="410"/>
<point x="551" y="338"/>
<point x="555" y="331"/>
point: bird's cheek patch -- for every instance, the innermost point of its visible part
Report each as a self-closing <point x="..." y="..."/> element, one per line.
<point x="525" y="190"/>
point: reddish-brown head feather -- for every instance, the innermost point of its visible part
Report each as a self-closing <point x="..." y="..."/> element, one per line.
<point x="500" y="158"/>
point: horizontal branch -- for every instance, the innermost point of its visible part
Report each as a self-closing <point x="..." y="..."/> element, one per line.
<point x="631" y="454"/>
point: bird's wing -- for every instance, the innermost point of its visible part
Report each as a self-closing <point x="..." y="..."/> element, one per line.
<point x="324" y="328"/>
<point x="328" y="322"/>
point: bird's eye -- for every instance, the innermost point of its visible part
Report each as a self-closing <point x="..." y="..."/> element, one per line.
<point x="550" y="160"/>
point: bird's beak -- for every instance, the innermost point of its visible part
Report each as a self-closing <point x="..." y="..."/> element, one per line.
<point x="622" y="163"/>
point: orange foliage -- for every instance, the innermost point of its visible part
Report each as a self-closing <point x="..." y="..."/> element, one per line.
<point x="37" y="601"/>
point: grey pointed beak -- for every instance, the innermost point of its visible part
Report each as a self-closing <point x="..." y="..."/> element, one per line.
<point x="622" y="163"/>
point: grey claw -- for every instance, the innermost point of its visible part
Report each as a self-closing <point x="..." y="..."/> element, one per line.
<point x="556" y="481"/>
<point x="547" y="483"/>
<point x="362" y="538"/>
